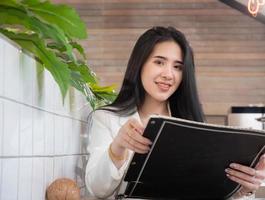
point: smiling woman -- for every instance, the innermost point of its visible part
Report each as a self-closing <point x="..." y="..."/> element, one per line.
<point x="160" y="79"/>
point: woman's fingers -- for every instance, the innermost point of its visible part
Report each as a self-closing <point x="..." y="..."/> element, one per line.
<point x="135" y="131"/>
<point x="242" y="168"/>
<point x="133" y="144"/>
<point x="246" y="173"/>
<point x="135" y="124"/>
<point x="134" y="134"/>
<point x="258" y="171"/>
<point x="260" y="168"/>
<point x="243" y="176"/>
<point x="249" y="178"/>
<point x="131" y="137"/>
<point x="136" y="147"/>
<point x="247" y="186"/>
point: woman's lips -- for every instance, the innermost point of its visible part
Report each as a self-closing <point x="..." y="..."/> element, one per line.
<point x="163" y="86"/>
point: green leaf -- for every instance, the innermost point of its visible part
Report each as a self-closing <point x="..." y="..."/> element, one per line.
<point x="79" y="48"/>
<point x="97" y="88"/>
<point x="30" y="2"/>
<point x="63" y="16"/>
<point x="56" y="46"/>
<point x="35" y="45"/>
<point x="8" y="2"/>
<point x="107" y="93"/>
<point x="11" y="13"/>
<point x="18" y="15"/>
<point x="86" y="74"/>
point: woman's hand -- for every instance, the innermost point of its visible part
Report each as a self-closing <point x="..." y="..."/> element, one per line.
<point x="249" y="178"/>
<point x="130" y="137"/>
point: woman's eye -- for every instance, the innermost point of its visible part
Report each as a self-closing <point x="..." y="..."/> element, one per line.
<point x="178" y="67"/>
<point x="159" y="62"/>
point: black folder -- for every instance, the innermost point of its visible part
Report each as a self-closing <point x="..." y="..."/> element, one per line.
<point x="188" y="159"/>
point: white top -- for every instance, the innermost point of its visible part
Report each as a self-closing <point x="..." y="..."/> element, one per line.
<point x="102" y="176"/>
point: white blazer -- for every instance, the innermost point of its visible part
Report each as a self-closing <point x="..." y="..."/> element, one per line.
<point x="102" y="177"/>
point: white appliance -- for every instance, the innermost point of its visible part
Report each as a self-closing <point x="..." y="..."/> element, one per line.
<point x="247" y="117"/>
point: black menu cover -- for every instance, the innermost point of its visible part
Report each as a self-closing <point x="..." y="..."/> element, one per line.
<point x="187" y="160"/>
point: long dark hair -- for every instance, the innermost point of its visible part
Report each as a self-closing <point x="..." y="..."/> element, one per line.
<point x="184" y="102"/>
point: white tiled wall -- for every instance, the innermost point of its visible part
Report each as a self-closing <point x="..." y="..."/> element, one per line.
<point x="38" y="134"/>
<point x="11" y="64"/>
<point x="25" y="130"/>
<point x="58" y="135"/>
<point x="37" y="190"/>
<point x="40" y="137"/>
<point x="67" y="136"/>
<point x="27" y="71"/>
<point x="25" y="174"/>
<point x="9" y="182"/>
<point x="48" y="170"/>
<point x="49" y="133"/>
<point x="0" y="178"/>
<point x="1" y="69"/>
<point x="1" y="127"/>
<point x="10" y="138"/>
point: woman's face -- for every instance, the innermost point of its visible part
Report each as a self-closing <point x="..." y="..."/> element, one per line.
<point x="162" y="72"/>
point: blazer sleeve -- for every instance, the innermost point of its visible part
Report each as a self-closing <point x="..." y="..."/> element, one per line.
<point x="102" y="176"/>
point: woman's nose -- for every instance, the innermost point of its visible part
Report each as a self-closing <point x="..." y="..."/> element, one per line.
<point x="167" y="72"/>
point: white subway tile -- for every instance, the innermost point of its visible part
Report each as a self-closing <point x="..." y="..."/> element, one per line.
<point x="12" y="71"/>
<point x="75" y="104"/>
<point x="58" y="135"/>
<point x="38" y="132"/>
<point x="80" y="169"/>
<point x="25" y="179"/>
<point x="48" y="91"/>
<point x="26" y="126"/>
<point x="67" y="104"/>
<point x="70" y="163"/>
<point x="1" y="125"/>
<point x="85" y="112"/>
<point x="48" y="171"/>
<point x="27" y="70"/>
<point x="1" y="169"/>
<point x="38" y="179"/>
<point x="69" y="136"/>
<point x="9" y="184"/>
<point x="58" y="101"/>
<point x="83" y="137"/>
<point x="2" y="66"/>
<point x="58" y="171"/>
<point x="76" y="140"/>
<point x="38" y="85"/>
<point x="82" y="107"/>
<point x="49" y="133"/>
<point x="72" y="100"/>
<point x="11" y="129"/>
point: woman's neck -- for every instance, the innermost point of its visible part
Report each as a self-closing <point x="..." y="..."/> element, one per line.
<point x="151" y="107"/>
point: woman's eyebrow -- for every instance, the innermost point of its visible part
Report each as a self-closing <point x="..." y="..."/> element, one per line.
<point x="164" y="58"/>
